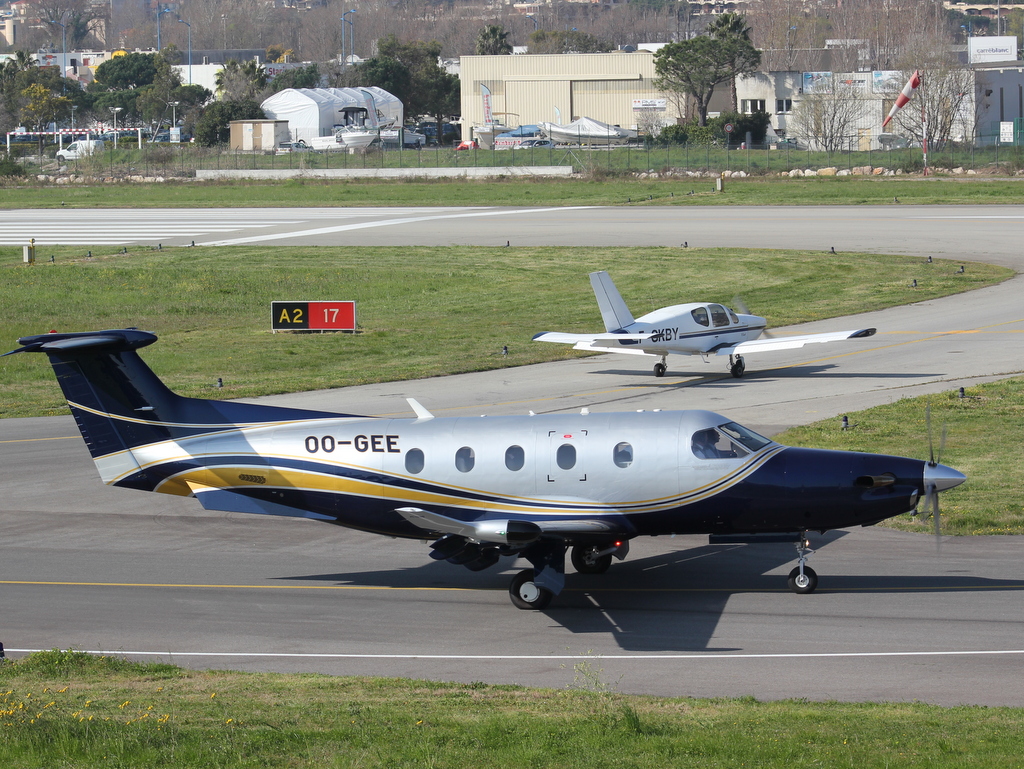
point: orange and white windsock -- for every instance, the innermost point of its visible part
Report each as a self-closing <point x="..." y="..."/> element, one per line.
<point x="904" y="97"/>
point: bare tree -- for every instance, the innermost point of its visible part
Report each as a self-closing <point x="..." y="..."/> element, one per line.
<point x="945" y="95"/>
<point x="827" y="120"/>
<point x="77" y="16"/>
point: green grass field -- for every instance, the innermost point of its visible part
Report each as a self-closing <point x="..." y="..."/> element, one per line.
<point x="62" y="709"/>
<point x="597" y="190"/>
<point x="422" y="311"/>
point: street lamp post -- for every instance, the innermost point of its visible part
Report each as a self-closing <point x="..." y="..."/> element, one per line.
<point x="352" y="37"/>
<point x="64" y="55"/>
<point x="73" y="108"/>
<point x="174" y="115"/>
<point x="182" y="21"/>
<point x="533" y="18"/>
<point x="114" y="111"/>
<point x="160" y="13"/>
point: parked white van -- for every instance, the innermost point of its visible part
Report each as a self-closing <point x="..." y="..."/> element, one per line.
<point x="79" y="149"/>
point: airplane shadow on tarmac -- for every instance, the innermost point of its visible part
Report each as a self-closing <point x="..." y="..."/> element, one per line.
<point x="670" y="602"/>
<point x="713" y="377"/>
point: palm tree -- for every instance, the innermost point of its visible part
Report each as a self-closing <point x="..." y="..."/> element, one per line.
<point x="240" y="82"/>
<point x="732" y="27"/>
<point x="492" y="41"/>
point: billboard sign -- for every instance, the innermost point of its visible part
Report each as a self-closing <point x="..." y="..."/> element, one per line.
<point x="652" y="105"/>
<point x="817" y="82"/>
<point x="887" y="81"/>
<point x="983" y="49"/>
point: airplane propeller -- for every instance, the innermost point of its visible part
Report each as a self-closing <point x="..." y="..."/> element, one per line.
<point x="931" y="488"/>
<point x="740" y="305"/>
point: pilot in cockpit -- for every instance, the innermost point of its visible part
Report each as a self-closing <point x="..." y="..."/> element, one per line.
<point x="704" y="443"/>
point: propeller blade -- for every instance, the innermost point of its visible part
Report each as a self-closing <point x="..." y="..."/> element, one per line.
<point x="928" y="427"/>
<point x="739" y="304"/>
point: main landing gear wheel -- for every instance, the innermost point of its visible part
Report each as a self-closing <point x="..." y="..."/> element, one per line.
<point x="738" y="367"/>
<point x="526" y="594"/>
<point x="587" y="561"/>
<point x="659" y="369"/>
<point x="802" y="584"/>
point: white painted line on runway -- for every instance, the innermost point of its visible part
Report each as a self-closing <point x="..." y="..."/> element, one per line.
<point x="383" y="223"/>
<point x="537" y="657"/>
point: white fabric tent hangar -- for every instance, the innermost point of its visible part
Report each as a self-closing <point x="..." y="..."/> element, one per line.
<point x="315" y="112"/>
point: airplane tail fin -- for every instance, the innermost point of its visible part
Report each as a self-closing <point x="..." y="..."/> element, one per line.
<point x="120" y="404"/>
<point x="614" y="312"/>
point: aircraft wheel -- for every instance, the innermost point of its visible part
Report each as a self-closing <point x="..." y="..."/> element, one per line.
<point x="659" y="369"/>
<point x="525" y="594"/>
<point x="801" y="585"/>
<point x="585" y="561"/>
<point x="738" y="368"/>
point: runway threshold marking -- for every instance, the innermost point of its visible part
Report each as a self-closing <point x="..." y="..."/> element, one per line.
<point x="386" y="223"/>
<point x="536" y="657"/>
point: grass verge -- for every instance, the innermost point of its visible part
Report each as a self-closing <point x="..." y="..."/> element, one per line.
<point x="64" y="708"/>
<point x="598" y="190"/>
<point x="423" y="311"/>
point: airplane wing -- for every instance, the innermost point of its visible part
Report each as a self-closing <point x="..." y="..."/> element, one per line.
<point x="773" y="344"/>
<point x="628" y="344"/>
<point x="504" y="531"/>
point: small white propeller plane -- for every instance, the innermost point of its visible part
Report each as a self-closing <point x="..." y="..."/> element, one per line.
<point x="700" y="328"/>
<point x="482" y="488"/>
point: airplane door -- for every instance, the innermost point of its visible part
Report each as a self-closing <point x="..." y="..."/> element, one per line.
<point x="564" y="458"/>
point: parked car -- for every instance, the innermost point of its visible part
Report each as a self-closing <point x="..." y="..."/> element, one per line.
<point x="467" y="144"/>
<point x="296" y="146"/>
<point x="80" y="149"/>
<point x="449" y="133"/>
<point x="536" y="144"/>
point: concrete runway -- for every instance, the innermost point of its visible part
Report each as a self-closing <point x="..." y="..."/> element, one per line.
<point x="90" y="567"/>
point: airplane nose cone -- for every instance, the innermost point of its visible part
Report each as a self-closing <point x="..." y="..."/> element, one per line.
<point x="942" y="477"/>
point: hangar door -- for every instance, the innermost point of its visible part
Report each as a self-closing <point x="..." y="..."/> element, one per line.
<point x="534" y="101"/>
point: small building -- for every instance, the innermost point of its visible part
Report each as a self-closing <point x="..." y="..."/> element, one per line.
<point x="258" y="134"/>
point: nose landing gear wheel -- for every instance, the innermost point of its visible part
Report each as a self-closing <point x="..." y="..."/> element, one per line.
<point x="738" y="367"/>
<point x="801" y="584"/>
<point x="659" y="369"/>
<point x="526" y="594"/>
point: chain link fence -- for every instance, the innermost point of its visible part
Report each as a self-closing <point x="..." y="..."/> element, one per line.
<point x="154" y="161"/>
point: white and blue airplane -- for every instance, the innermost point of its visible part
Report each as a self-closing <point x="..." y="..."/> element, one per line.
<point x="701" y="328"/>
<point x="482" y="488"/>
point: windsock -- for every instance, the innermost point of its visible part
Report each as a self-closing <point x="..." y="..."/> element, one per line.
<point x="904" y="97"/>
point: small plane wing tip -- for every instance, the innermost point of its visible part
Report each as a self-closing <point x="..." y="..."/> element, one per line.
<point x="863" y="333"/>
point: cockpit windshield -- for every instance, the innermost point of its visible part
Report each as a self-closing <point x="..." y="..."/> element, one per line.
<point x="719" y="317"/>
<point x="728" y="441"/>
<point x="742" y="435"/>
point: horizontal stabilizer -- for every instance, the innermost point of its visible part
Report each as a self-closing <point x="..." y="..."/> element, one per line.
<point x="228" y="501"/>
<point x="774" y="344"/>
<point x="628" y="344"/>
